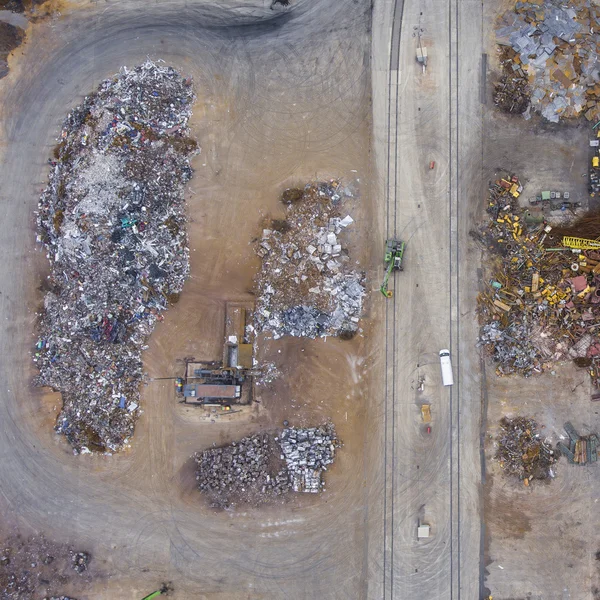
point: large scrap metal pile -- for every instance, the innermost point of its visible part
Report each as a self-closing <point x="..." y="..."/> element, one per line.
<point x="307" y="286"/>
<point x="542" y="301"/>
<point x="112" y="219"/>
<point x="552" y="47"/>
<point x="521" y="452"/>
<point x="262" y="467"/>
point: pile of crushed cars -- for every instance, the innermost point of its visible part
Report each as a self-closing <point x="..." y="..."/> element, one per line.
<point x="551" y="48"/>
<point x="307" y="285"/>
<point x="522" y="453"/>
<point x="541" y="302"/>
<point x="113" y="222"/>
<point x="262" y="467"/>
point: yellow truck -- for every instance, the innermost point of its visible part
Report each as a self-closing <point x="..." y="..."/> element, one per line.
<point x="426" y="413"/>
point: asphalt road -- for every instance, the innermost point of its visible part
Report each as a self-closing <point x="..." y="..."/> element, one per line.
<point x="422" y="117"/>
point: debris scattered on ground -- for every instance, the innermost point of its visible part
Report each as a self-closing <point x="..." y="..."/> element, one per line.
<point x="36" y="568"/>
<point x="522" y="453"/>
<point x="259" y="468"/>
<point x="580" y="450"/>
<point x="307" y="286"/>
<point x="555" y="48"/>
<point x="80" y="561"/>
<point x="11" y="37"/>
<point x="112" y="219"/>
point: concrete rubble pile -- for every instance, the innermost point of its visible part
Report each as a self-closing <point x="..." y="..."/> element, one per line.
<point x="522" y="453"/>
<point x="307" y="454"/>
<point x="554" y="47"/>
<point x="580" y="450"/>
<point x="113" y="221"/>
<point x="306" y="286"/>
<point x="262" y="467"/>
<point x="541" y="303"/>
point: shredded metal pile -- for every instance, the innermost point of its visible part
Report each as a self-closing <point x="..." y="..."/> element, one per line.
<point x="112" y="219"/>
<point x="306" y="286"/>
<point x="521" y="452"/>
<point x="555" y="48"/>
<point x="259" y="468"/>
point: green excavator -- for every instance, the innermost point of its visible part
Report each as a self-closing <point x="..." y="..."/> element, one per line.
<point x="394" y="252"/>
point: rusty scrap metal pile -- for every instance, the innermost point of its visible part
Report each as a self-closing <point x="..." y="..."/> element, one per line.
<point x="113" y="222"/>
<point x="521" y="452"/>
<point x="307" y="285"/>
<point x="511" y="91"/>
<point x="554" y="49"/>
<point x="542" y="302"/>
<point x="262" y="467"/>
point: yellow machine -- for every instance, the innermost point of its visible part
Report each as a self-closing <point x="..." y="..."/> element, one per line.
<point x="580" y="243"/>
<point x="426" y="413"/>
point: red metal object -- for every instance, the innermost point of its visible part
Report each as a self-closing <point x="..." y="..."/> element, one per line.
<point x="432" y="164"/>
<point x="428" y="429"/>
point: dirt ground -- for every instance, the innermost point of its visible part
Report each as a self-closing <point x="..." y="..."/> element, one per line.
<point x="539" y="541"/>
<point x="268" y="116"/>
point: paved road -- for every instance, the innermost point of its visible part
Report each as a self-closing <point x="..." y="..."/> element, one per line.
<point x="420" y="117"/>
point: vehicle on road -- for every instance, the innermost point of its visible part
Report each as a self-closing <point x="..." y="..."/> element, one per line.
<point x="432" y="165"/>
<point x="423" y="530"/>
<point x="446" y="364"/>
<point x="394" y="253"/>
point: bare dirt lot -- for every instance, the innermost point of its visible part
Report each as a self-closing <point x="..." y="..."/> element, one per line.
<point x="279" y="104"/>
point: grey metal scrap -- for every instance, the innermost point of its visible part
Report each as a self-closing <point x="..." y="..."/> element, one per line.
<point x="566" y="452"/>
<point x="571" y="432"/>
<point x="112" y="219"/>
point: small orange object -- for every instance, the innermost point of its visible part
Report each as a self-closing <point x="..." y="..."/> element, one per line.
<point x="432" y="164"/>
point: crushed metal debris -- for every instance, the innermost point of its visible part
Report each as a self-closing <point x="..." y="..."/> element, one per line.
<point x="307" y="286"/>
<point x="554" y="52"/>
<point x="262" y="467"/>
<point x="521" y="452"/>
<point x="112" y="219"/>
<point x="542" y="301"/>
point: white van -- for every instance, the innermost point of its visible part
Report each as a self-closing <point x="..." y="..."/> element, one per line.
<point x="447" y="378"/>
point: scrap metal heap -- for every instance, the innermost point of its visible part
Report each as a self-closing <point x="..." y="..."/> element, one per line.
<point x="521" y="452"/>
<point x="555" y="50"/>
<point x="306" y="286"/>
<point x="542" y="302"/>
<point x="259" y="468"/>
<point x="112" y="219"/>
<point x="580" y="450"/>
